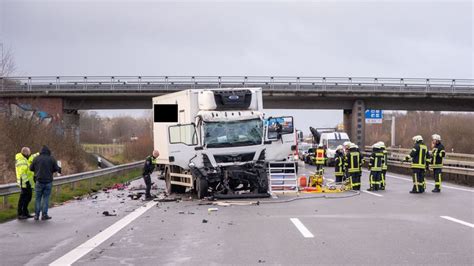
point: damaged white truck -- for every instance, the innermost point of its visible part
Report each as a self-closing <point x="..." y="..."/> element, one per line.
<point x="218" y="142"/>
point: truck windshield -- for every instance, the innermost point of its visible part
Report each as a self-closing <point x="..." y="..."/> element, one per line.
<point x="233" y="133"/>
<point x="333" y="143"/>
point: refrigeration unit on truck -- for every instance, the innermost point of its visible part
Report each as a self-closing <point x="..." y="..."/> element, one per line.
<point x="218" y="141"/>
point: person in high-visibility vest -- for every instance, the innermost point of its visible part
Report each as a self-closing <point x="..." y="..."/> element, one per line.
<point x="25" y="180"/>
<point x="320" y="159"/>
<point x="148" y="168"/>
<point x="353" y="165"/>
<point x="383" y="176"/>
<point x="436" y="161"/>
<point x="375" y="165"/>
<point x="339" y="170"/>
<point x="418" y="157"/>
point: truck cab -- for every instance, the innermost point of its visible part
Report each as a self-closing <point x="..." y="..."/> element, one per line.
<point x="218" y="141"/>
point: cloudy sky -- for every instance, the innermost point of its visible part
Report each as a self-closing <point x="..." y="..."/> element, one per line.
<point x="310" y="38"/>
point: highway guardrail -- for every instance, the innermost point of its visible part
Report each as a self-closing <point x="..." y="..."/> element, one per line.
<point x="12" y="188"/>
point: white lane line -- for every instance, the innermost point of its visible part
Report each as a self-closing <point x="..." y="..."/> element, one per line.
<point x="372" y="193"/>
<point x="431" y="183"/>
<point x="77" y="253"/>
<point x="300" y="226"/>
<point x="457" y="221"/>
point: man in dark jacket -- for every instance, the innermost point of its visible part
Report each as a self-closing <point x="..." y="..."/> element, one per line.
<point x="44" y="166"/>
<point x="148" y="168"/>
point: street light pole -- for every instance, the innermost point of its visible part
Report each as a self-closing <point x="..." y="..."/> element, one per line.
<point x="392" y="134"/>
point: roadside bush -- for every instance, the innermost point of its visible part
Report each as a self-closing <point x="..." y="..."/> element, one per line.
<point x="19" y="132"/>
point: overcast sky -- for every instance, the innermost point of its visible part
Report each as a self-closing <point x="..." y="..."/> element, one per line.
<point x="318" y="38"/>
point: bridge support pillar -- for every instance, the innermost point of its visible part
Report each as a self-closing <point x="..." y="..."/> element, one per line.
<point x="71" y="123"/>
<point x="354" y="123"/>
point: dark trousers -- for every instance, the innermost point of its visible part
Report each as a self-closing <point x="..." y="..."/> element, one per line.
<point x="354" y="179"/>
<point x="383" y="178"/>
<point x="339" y="178"/>
<point x="24" y="201"/>
<point x="418" y="180"/>
<point x="147" y="179"/>
<point x="437" y="177"/>
<point x="375" y="179"/>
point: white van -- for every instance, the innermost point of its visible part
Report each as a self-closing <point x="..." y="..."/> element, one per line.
<point x="331" y="140"/>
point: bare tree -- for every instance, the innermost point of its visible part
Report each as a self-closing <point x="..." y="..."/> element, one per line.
<point x="7" y="62"/>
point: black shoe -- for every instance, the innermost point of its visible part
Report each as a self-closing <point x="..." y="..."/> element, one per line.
<point x="382" y="188"/>
<point x="29" y="216"/>
<point x="36" y="218"/>
<point x="414" y="191"/>
<point x="436" y="190"/>
<point x="22" y="217"/>
<point x="46" y="217"/>
<point x="370" y="189"/>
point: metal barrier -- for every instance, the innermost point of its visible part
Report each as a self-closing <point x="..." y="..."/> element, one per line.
<point x="12" y="188"/>
<point x="144" y="83"/>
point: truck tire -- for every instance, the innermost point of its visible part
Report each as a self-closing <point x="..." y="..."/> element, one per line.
<point x="172" y="188"/>
<point x="202" y="187"/>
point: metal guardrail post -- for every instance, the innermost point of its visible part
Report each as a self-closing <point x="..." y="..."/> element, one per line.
<point x="139" y="83"/>
<point x="245" y="82"/>
<point x="5" y="201"/>
<point x="324" y="83"/>
<point x="453" y="85"/>
<point x="297" y="83"/>
<point x="376" y="81"/>
<point x="57" y="83"/>
<point x="193" y="79"/>
<point x="272" y="85"/>
<point x="350" y="83"/>
<point x="85" y="83"/>
<point x="219" y="79"/>
<point x="29" y="84"/>
<point x="112" y="83"/>
<point x="427" y="85"/>
<point x="402" y="82"/>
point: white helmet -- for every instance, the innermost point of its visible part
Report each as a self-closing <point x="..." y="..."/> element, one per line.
<point x="320" y="145"/>
<point x="339" y="148"/>
<point x="353" y="145"/>
<point x="417" y="138"/>
<point x="436" y="137"/>
<point x="376" y="145"/>
<point x="381" y="144"/>
<point x="346" y="144"/>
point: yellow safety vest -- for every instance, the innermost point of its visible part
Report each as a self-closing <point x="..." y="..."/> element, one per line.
<point x="320" y="156"/>
<point x="23" y="173"/>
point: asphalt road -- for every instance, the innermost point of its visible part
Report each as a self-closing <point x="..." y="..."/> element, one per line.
<point x="388" y="227"/>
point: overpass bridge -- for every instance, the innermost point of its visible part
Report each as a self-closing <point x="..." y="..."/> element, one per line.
<point x="64" y="96"/>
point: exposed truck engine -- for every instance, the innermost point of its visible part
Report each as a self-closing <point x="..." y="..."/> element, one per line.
<point x="218" y="142"/>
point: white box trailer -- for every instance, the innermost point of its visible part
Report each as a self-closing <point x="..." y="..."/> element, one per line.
<point x="218" y="141"/>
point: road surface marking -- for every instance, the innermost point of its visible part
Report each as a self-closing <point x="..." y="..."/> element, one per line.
<point x="77" y="253"/>
<point x="300" y="226"/>
<point x="431" y="183"/>
<point x="458" y="221"/>
<point x="372" y="193"/>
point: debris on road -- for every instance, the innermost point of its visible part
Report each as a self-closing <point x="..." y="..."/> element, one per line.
<point x="167" y="199"/>
<point x="107" y="213"/>
<point x="212" y="210"/>
<point x="136" y="196"/>
<point x="204" y="221"/>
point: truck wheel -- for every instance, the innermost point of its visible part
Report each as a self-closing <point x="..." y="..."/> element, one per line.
<point x="202" y="188"/>
<point x="172" y="188"/>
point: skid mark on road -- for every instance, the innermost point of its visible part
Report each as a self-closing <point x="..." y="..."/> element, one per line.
<point x="457" y="221"/>
<point x="300" y="226"/>
<point x="77" y="253"/>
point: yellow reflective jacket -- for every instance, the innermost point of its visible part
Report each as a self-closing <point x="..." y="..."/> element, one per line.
<point x="23" y="173"/>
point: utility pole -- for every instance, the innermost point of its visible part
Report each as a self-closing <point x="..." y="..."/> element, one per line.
<point x="392" y="134"/>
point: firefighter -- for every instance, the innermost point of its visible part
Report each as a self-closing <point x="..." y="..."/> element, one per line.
<point x="418" y="157"/>
<point x="150" y="166"/>
<point x="320" y="159"/>
<point x="384" y="165"/>
<point x="339" y="164"/>
<point x="375" y="166"/>
<point x="436" y="161"/>
<point x="353" y="165"/>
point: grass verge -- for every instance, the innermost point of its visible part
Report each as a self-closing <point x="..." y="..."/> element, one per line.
<point x="67" y="192"/>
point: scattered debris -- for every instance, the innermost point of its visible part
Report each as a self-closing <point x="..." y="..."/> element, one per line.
<point x="78" y="197"/>
<point x="261" y="261"/>
<point x="204" y="221"/>
<point x="136" y="196"/>
<point x="107" y="213"/>
<point x="181" y="212"/>
<point x="119" y="186"/>
<point x="167" y="199"/>
<point x="212" y="210"/>
<point x="190" y="212"/>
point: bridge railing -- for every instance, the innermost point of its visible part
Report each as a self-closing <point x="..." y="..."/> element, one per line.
<point x="91" y="83"/>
